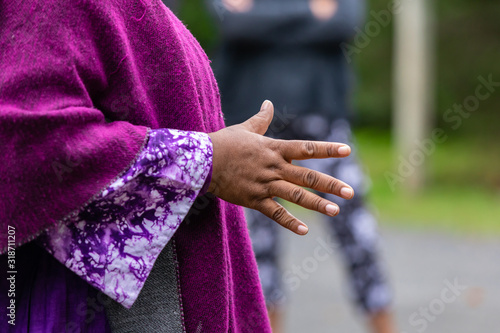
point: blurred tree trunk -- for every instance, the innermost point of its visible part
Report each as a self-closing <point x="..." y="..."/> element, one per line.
<point x="413" y="88"/>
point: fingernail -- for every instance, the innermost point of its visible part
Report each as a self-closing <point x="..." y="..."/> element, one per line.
<point x="331" y="210"/>
<point x="344" y="150"/>
<point x="346" y="192"/>
<point x="266" y="105"/>
<point x="302" y="229"/>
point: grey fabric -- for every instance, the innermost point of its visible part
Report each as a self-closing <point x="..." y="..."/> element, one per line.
<point x="158" y="307"/>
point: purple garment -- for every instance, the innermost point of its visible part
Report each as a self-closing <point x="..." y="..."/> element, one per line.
<point x="49" y="297"/>
<point x="115" y="240"/>
<point x="56" y="89"/>
<point x="83" y="80"/>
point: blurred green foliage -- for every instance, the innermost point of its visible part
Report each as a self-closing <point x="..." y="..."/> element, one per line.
<point x="195" y="14"/>
<point x="458" y="196"/>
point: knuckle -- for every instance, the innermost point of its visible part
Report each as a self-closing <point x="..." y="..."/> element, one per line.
<point x="318" y="203"/>
<point x="269" y="191"/>
<point x="311" y="178"/>
<point x="297" y="194"/>
<point x="276" y="145"/>
<point x="330" y="150"/>
<point x="335" y="186"/>
<point x="274" y="185"/>
<point x="288" y="223"/>
<point x="279" y="214"/>
<point x="308" y="149"/>
<point x="258" y="205"/>
<point x="276" y="170"/>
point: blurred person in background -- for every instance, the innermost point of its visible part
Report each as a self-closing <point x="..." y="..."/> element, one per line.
<point x="289" y="52"/>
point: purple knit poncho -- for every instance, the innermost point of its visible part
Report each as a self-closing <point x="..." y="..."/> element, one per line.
<point x="85" y="79"/>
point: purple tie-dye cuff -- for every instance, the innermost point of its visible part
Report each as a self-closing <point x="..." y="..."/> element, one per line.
<point x="114" y="241"/>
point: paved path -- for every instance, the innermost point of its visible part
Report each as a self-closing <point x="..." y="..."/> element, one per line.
<point x="421" y="265"/>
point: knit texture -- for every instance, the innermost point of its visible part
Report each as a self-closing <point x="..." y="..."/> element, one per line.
<point x="81" y="78"/>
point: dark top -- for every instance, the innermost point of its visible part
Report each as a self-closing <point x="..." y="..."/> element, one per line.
<point x="281" y="52"/>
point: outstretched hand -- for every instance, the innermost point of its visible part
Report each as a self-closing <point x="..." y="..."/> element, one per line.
<point x="250" y="170"/>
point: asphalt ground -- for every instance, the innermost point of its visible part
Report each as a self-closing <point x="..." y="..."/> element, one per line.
<point x="441" y="283"/>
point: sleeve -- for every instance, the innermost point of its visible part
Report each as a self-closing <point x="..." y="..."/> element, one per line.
<point x="114" y="241"/>
<point x="288" y="22"/>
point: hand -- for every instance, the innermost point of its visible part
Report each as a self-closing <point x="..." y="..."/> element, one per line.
<point x="323" y="9"/>
<point x="250" y="169"/>
<point x="238" y="6"/>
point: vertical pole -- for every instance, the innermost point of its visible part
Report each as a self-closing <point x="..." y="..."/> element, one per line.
<point x="413" y="86"/>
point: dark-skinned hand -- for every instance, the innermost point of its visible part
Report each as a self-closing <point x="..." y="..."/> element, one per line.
<point x="250" y="170"/>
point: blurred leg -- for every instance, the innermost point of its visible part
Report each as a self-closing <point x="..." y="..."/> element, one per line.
<point x="264" y="233"/>
<point x="277" y="319"/>
<point x="354" y="227"/>
<point x="382" y="322"/>
<point x="355" y="230"/>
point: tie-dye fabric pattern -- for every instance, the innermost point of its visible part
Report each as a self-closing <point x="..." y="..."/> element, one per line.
<point x="114" y="241"/>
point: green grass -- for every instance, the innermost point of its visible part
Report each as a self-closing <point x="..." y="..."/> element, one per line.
<point x="461" y="195"/>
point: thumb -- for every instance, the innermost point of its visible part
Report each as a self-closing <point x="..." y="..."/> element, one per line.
<point x="261" y="121"/>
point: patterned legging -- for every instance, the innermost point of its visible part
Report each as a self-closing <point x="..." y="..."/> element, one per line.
<point x="354" y="227"/>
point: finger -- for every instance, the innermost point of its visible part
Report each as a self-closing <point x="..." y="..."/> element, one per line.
<point x="278" y="213"/>
<point x="303" y="150"/>
<point x="317" y="181"/>
<point x="261" y="121"/>
<point x="304" y="198"/>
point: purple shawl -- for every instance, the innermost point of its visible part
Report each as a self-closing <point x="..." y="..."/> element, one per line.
<point x="81" y="78"/>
